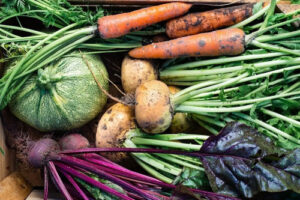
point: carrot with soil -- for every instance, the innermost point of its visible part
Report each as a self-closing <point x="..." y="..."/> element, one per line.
<point x="117" y="25"/>
<point x="231" y="41"/>
<point x="207" y="21"/>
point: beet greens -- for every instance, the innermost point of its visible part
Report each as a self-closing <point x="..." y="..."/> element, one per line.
<point x="86" y="175"/>
<point x="240" y="161"/>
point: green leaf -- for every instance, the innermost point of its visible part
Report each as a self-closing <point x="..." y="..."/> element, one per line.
<point x="96" y="192"/>
<point x="193" y="179"/>
<point x="242" y="162"/>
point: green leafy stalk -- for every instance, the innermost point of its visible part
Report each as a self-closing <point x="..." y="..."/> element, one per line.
<point x="164" y="167"/>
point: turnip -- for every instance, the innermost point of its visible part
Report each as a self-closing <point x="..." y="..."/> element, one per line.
<point x="117" y="128"/>
<point x="135" y="72"/>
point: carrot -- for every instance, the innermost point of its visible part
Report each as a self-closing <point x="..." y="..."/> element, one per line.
<point x="207" y="21"/>
<point x="222" y="42"/>
<point x="117" y="25"/>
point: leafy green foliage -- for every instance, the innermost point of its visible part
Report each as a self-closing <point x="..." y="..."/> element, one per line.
<point x="57" y="13"/>
<point x="96" y="192"/>
<point x="193" y="179"/>
<point x="242" y="162"/>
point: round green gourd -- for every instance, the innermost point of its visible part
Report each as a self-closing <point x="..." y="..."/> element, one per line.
<point x="62" y="96"/>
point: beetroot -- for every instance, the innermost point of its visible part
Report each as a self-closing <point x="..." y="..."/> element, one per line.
<point x="40" y="150"/>
<point x="73" y="141"/>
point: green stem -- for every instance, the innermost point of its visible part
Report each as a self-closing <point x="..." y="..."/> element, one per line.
<point x="204" y="72"/>
<point x="7" y="33"/>
<point x="201" y="77"/>
<point x="57" y="54"/>
<point x="282" y="117"/>
<point x="210" y="120"/>
<point x="111" y="46"/>
<point x="292" y="87"/>
<point x="153" y="172"/>
<point x="188" y="158"/>
<point x="197" y="109"/>
<point x="157" y="163"/>
<point x="241" y="102"/>
<point x="207" y="127"/>
<point x="255" y="34"/>
<point x="269" y="127"/>
<point x="153" y="142"/>
<point x="177" y="136"/>
<point x="179" y="162"/>
<point x="185" y="94"/>
<point x="259" y="89"/>
<point x="274" y="48"/>
<point x="152" y="161"/>
<point x="217" y="61"/>
<point x="252" y="18"/>
<point x="275" y="37"/>
<point x="269" y="14"/>
<point x="20" y="39"/>
<point x="295" y="12"/>
<point x="255" y="77"/>
<point x="24" y="29"/>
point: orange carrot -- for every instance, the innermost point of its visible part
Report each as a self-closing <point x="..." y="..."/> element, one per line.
<point x="207" y="21"/>
<point x="117" y="25"/>
<point x="222" y="42"/>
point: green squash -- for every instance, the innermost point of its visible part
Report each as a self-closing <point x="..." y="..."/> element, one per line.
<point x="63" y="95"/>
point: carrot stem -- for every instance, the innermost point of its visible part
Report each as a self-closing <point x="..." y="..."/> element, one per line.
<point x="255" y="34"/>
<point x="217" y="61"/>
<point x="275" y="37"/>
<point x="258" y="76"/>
<point x="267" y="126"/>
<point x="274" y="48"/>
<point x="269" y="14"/>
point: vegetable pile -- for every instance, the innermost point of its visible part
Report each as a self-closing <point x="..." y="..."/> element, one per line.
<point x="210" y="108"/>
